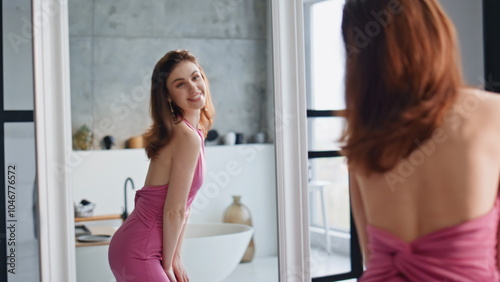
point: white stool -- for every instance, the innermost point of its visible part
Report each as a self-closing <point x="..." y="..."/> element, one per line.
<point x="319" y="185"/>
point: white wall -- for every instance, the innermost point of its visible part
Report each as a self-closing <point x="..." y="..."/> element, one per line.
<point x="246" y="170"/>
<point x="467" y="15"/>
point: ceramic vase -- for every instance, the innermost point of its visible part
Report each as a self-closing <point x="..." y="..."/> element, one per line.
<point x="239" y="213"/>
<point x="229" y="138"/>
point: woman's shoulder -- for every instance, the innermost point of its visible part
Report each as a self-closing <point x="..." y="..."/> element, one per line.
<point x="185" y="136"/>
<point x="473" y="96"/>
<point x="478" y="103"/>
<point x="183" y="139"/>
<point x="479" y="113"/>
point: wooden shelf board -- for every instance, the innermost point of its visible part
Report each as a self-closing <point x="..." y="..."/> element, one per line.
<point x="98" y="217"/>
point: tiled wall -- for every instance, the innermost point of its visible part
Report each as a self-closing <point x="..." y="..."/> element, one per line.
<point x="114" y="45"/>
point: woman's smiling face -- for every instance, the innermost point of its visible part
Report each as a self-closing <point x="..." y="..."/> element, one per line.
<point x="187" y="87"/>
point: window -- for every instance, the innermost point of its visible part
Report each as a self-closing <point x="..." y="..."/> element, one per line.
<point x="334" y="251"/>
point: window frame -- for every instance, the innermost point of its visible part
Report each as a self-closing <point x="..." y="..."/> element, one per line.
<point x="355" y="251"/>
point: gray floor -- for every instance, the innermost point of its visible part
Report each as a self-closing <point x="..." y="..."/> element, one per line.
<point x="261" y="270"/>
<point x="323" y="264"/>
<point x="266" y="269"/>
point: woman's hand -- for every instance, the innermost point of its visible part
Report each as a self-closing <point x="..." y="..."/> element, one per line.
<point x="170" y="274"/>
<point x="179" y="271"/>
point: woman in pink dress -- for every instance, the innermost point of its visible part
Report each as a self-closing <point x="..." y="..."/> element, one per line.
<point x="423" y="150"/>
<point x="147" y="246"/>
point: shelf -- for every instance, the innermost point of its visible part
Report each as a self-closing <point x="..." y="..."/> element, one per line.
<point x="98" y="217"/>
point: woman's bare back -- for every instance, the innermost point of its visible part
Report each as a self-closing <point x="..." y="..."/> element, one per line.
<point x="160" y="167"/>
<point x="453" y="177"/>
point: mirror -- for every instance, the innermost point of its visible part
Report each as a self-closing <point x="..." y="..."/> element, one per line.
<point x="114" y="46"/>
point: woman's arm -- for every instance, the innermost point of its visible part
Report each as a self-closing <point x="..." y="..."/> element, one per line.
<point x="359" y="214"/>
<point x="181" y="237"/>
<point x="177" y="266"/>
<point x="184" y="160"/>
<point x="498" y="238"/>
<point x="498" y="248"/>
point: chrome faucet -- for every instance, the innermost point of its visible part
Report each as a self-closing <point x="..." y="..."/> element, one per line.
<point x="125" y="212"/>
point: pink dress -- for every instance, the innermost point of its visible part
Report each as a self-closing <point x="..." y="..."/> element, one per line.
<point x="464" y="252"/>
<point x="135" y="251"/>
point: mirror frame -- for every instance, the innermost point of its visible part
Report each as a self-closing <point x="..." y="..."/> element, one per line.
<point x="53" y="132"/>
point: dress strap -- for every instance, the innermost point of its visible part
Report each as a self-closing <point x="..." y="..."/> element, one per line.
<point x="188" y="124"/>
<point x="199" y="131"/>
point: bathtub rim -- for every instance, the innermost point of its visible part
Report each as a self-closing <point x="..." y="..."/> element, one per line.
<point x="244" y="229"/>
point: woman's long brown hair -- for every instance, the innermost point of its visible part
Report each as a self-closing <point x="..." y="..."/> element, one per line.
<point x="400" y="78"/>
<point x="161" y="131"/>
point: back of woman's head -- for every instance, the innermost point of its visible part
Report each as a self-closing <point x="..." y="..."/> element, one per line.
<point x="402" y="74"/>
<point x="165" y="115"/>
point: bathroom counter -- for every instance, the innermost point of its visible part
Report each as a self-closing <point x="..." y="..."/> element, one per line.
<point x="97" y="230"/>
<point x="92" y="261"/>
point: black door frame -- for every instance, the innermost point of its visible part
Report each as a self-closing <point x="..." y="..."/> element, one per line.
<point x="491" y="26"/>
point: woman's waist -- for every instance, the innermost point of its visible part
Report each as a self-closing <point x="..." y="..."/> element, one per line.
<point x="148" y="207"/>
<point x="151" y="194"/>
<point x="149" y="218"/>
<point x="153" y="188"/>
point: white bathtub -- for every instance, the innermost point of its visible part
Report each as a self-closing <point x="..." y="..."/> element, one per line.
<point x="211" y="251"/>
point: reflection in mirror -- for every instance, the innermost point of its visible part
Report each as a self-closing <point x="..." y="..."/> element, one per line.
<point x="114" y="46"/>
<point x="328" y="186"/>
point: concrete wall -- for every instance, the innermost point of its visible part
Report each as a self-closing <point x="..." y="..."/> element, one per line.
<point x="17" y="47"/>
<point x="114" y="45"/>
